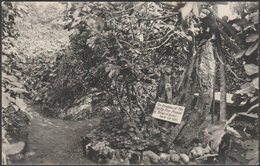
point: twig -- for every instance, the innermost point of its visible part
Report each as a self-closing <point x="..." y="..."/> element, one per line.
<point x="133" y="35"/>
<point x="104" y="53"/>
<point x="181" y="126"/>
<point x="229" y="68"/>
<point x="148" y="41"/>
<point x="158" y="18"/>
<point x="252" y="108"/>
<point x="126" y="43"/>
<point x="142" y="18"/>
<point x="148" y="93"/>
<point x="234" y="74"/>
<point x="138" y="102"/>
<point x="230" y="120"/>
<point x="128" y="93"/>
<point x="119" y="101"/>
<point x="112" y="18"/>
<point x="152" y="48"/>
<point x="117" y="40"/>
<point x="121" y="11"/>
<point x="183" y="76"/>
<point x="122" y="90"/>
<point x="146" y="27"/>
<point x="229" y="41"/>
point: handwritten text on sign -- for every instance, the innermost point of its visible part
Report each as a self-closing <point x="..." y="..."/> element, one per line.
<point x="168" y="112"/>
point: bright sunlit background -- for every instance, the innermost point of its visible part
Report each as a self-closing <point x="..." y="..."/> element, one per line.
<point x="224" y="10"/>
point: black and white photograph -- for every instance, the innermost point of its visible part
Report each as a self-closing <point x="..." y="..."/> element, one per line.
<point x="130" y="82"/>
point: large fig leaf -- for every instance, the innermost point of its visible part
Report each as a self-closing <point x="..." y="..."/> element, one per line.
<point x="255" y="82"/>
<point x="251" y="49"/>
<point x="251" y="38"/>
<point x="251" y="69"/>
<point x="246" y="88"/>
<point x="239" y="54"/>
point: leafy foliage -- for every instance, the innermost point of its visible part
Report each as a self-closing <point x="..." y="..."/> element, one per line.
<point x="124" y="50"/>
<point x="249" y="30"/>
<point x="126" y="53"/>
<point x="246" y="28"/>
<point x="13" y="89"/>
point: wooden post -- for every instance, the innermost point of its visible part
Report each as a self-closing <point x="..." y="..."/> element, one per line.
<point x="223" y="92"/>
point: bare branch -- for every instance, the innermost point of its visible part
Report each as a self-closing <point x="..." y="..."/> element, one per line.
<point x="167" y="34"/>
<point x="117" y="40"/>
<point x="234" y="74"/>
<point x="138" y="102"/>
<point x="142" y="18"/>
<point x="133" y="35"/>
<point x="126" y="43"/>
<point x="152" y="48"/>
<point x="229" y="41"/>
<point x="128" y="93"/>
<point x="158" y="18"/>
<point x="229" y="68"/>
<point x="119" y="101"/>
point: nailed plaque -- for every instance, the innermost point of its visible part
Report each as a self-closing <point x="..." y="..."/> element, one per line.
<point x="168" y="112"/>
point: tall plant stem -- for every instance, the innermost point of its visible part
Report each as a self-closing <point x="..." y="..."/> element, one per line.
<point x="223" y="103"/>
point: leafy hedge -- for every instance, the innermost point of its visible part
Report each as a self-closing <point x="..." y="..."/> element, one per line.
<point x="14" y="108"/>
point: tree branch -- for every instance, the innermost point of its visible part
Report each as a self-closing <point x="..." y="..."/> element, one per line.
<point x="126" y="43"/>
<point x="119" y="101"/>
<point x="158" y="18"/>
<point x="229" y="41"/>
<point x="229" y="68"/>
<point x="167" y="34"/>
<point x="128" y="95"/>
<point x="142" y="18"/>
<point x="117" y="40"/>
<point x="133" y="35"/>
<point x="234" y="74"/>
<point x="138" y="102"/>
<point x="152" y="48"/>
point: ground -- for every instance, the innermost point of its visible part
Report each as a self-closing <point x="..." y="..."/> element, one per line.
<point x="54" y="141"/>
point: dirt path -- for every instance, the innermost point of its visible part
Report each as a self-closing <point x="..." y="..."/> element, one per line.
<point x="55" y="141"/>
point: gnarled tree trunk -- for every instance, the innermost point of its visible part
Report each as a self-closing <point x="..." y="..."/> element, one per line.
<point x="200" y="73"/>
<point x="205" y="72"/>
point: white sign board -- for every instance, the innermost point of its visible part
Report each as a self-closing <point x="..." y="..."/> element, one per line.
<point x="168" y="112"/>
